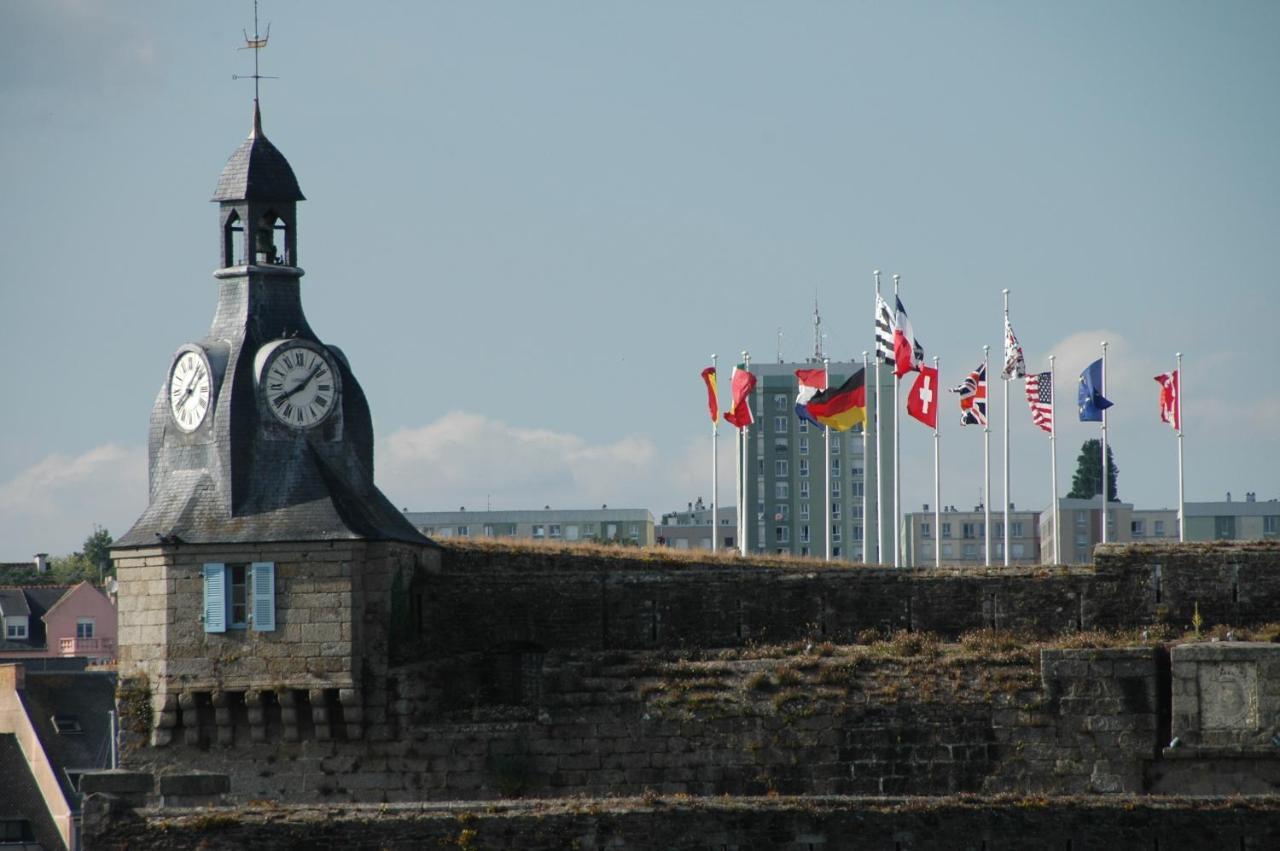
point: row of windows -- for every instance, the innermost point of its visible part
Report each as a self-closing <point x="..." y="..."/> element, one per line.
<point x="972" y="551"/>
<point x="782" y="534"/>
<point x="18" y="628"/>
<point x="974" y="530"/>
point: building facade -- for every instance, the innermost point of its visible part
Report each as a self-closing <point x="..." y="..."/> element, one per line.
<point x="602" y="525"/>
<point x="961" y="537"/>
<point x="57" y="621"/>
<point x="786" y="486"/>
<point x="691" y="529"/>
<point x="1232" y="520"/>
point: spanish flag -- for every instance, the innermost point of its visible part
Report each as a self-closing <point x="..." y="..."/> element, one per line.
<point x="844" y="407"/>
<point x="709" y="376"/>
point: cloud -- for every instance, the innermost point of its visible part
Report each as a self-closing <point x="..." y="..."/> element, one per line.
<point x="468" y="459"/>
<point x="53" y="505"/>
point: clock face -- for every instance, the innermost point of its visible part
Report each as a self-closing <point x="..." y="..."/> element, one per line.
<point x="189" y="390"/>
<point x="300" y="386"/>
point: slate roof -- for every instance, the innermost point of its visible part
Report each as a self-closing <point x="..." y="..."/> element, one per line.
<point x="13" y="603"/>
<point x="89" y="696"/>
<point x="257" y="171"/>
<point x="36" y="600"/>
<point x="22" y="798"/>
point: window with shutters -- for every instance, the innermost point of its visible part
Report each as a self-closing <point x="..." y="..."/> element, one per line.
<point x="239" y="596"/>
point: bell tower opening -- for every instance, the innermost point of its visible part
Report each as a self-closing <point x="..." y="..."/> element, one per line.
<point x="233" y="248"/>
<point x="272" y="240"/>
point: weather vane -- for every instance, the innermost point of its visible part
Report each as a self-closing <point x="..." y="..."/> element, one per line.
<point x="255" y="44"/>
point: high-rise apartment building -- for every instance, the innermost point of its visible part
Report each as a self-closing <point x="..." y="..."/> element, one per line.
<point x="786" y="488"/>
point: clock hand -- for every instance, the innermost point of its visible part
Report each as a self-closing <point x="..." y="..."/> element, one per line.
<point x="301" y="384"/>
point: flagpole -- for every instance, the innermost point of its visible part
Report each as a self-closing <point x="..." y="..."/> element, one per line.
<point x="897" y="490"/>
<point x="1007" y="379"/>
<point x="879" y="452"/>
<point x="865" y="510"/>
<point x="737" y="484"/>
<point x="715" y="469"/>
<point x="986" y="461"/>
<point x="1103" y="392"/>
<point x="1053" y="462"/>
<point x="826" y="446"/>
<point x="1177" y="401"/>
<point x="746" y="464"/>
<point x="937" y="480"/>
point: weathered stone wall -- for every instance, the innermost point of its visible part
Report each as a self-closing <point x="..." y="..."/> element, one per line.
<point x="666" y="824"/>
<point x="486" y="596"/>
<point x="883" y="719"/>
<point x="333" y="605"/>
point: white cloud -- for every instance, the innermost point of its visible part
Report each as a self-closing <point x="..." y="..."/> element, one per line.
<point x="468" y="459"/>
<point x="53" y="505"/>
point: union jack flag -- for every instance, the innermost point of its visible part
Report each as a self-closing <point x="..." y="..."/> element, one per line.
<point x="973" y="397"/>
<point x="1040" y="398"/>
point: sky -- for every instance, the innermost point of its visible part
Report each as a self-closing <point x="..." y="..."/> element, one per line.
<point x="529" y="225"/>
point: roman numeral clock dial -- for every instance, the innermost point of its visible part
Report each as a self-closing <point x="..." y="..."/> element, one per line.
<point x="299" y="384"/>
<point x="190" y="389"/>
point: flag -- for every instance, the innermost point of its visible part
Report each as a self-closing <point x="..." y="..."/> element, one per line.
<point x="709" y="376"/>
<point x="922" y="402"/>
<point x="1170" y="409"/>
<point x="844" y="407"/>
<point x="1014" y="364"/>
<point x="884" y="330"/>
<point x="810" y="381"/>
<point x="1040" y="398"/>
<point x="741" y="385"/>
<point x="908" y="353"/>
<point x="1092" y="402"/>
<point x="973" y="397"/>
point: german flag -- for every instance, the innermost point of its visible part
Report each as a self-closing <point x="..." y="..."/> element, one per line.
<point x="844" y="407"/>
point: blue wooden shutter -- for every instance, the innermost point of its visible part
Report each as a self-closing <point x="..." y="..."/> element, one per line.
<point x="264" y="596"/>
<point x="215" y="598"/>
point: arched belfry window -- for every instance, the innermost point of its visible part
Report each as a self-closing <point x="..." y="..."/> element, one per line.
<point x="233" y="248"/>
<point x="272" y="243"/>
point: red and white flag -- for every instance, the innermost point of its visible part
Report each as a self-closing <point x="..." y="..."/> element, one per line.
<point x="922" y="401"/>
<point x="739" y="413"/>
<point x="1170" y="407"/>
<point x="908" y="353"/>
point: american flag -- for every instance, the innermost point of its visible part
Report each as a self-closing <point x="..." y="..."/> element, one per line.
<point x="1040" y="398"/>
<point x="973" y="397"/>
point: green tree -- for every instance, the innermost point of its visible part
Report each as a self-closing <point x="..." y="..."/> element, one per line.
<point x="91" y="561"/>
<point x="1087" y="481"/>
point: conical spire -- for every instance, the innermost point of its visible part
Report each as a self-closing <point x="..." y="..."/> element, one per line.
<point x="257" y="122"/>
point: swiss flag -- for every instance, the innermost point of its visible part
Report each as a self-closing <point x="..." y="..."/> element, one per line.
<point x="922" y="402"/>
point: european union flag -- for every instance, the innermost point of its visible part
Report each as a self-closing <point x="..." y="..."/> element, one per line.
<point x="1092" y="402"/>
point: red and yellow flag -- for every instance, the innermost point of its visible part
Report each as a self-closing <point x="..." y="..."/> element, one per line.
<point x="739" y="413"/>
<point x="713" y="405"/>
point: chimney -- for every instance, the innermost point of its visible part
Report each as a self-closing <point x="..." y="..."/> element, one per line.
<point x="42" y="562"/>
<point x="1228" y="496"/>
<point x="1251" y="497"/>
<point x="12" y="678"/>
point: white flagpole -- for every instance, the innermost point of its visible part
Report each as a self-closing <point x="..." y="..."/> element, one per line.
<point x="897" y="490"/>
<point x="1007" y="380"/>
<point x="715" y="468"/>
<point x="879" y="558"/>
<point x="1053" y="462"/>
<point x="826" y="447"/>
<point x="937" y="480"/>
<point x="738" y="486"/>
<point x="986" y="459"/>
<point x="866" y="530"/>
<point x="1182" y="506"/>
<point x="1103" y="391"/>
<point x="746" y="463"/>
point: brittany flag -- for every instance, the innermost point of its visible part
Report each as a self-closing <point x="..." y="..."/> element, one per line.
<point x="1170" y="409"/>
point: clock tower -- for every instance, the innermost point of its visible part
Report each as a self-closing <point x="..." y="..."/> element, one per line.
<point x="256" y="585"/>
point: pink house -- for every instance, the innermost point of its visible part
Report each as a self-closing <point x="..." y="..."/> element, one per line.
<point x="49" y="621"/>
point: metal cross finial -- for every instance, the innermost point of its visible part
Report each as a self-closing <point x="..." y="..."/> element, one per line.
<point x="255" y="44"/>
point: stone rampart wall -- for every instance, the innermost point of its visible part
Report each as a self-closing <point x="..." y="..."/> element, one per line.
<point x="556" y="599"/>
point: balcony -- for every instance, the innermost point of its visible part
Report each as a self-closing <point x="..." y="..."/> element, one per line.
<point x="86" y="646"/>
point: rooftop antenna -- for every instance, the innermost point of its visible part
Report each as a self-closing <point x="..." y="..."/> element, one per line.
<point x="255" y="44"/>
<point x="817" y="332"/>
<point x="779" y="345"/>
